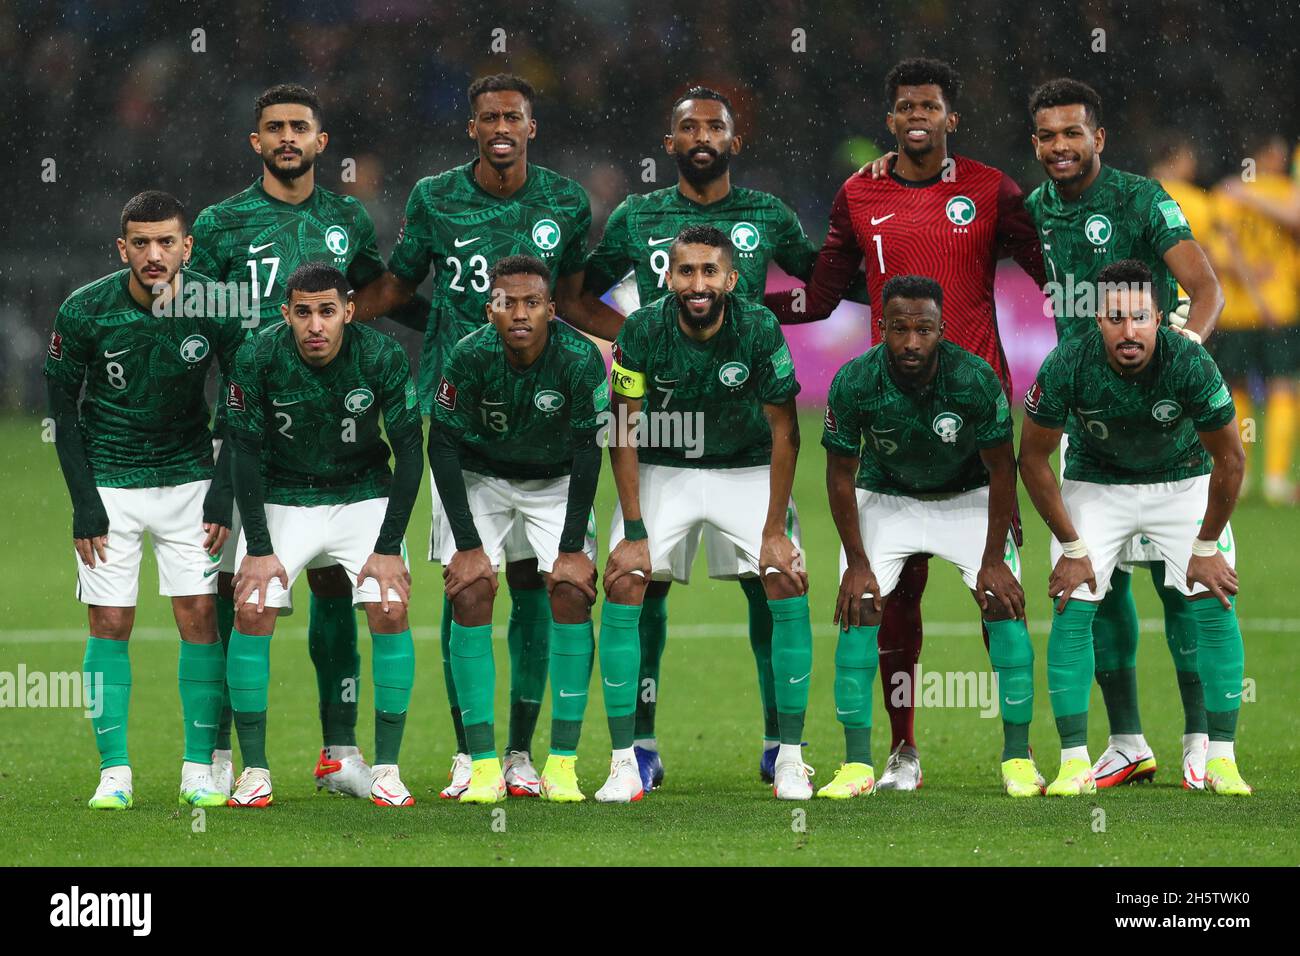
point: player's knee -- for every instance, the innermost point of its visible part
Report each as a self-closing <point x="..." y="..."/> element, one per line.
<point x="523" y="575"/>
<point x="249" y="620"/>
<point x="569" y="605"/>
<point x="779" y="587"/>
<point x="629" y="589"/>
<point x="869" y="616"/>
<point x="996" y="611"/>
<point x="196" y="618"/>
<point x="331" y="582"/>
<point x="111" y="623"/>
<point x="472" y="607"/>
<point x="394" y="622"/>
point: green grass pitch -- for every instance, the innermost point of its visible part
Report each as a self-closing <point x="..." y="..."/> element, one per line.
<point x="714" y="810"/>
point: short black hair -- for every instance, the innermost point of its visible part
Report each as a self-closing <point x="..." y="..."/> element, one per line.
<point x="519" y="266"/>
<point x="923" y="71"/>
<point x="703" y="93"/>
<point x="154" y="205"/>
<point x="911" y="287"/>
<point x="1064" y="91"/>
<point x="288" y="93"/>
<point x="1125" y="272"/>
<point x="701" y="236"/>
<point x="501" y="83"/>
<point x="317" y="277"/>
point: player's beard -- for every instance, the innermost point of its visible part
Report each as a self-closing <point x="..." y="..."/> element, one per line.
<point x="288" y="175"/>
<point x="699" y="176"/>
<point x="706" y="320"/>
<point x="912" y="379"/>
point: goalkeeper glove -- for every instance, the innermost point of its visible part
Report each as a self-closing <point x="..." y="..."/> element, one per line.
<point x="1178" y="320"/>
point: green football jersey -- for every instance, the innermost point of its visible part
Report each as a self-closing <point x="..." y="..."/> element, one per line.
<point x="1139" y="430"/>
<point x="520" y="424"/>
<point x="721" y="384"/>
<point x="319" y="427"/>
<point x="762" y="229"/>
<point x="144" y="417"/>
<point x="459" y="229"/>
<point x="254" y="239"/>
<point x="1120" y="216"/>
<point x="926" y="442"/>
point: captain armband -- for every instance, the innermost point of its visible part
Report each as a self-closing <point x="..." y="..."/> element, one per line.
<point x="627" y="383"/>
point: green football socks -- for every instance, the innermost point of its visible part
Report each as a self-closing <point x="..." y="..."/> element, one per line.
<point x="856" y="658"/>
<point x="201" y="674"/>
<point x="620" y="654"/>
<point x="225" y="624"/>
<point x="573" y="647"/>
<point x="1070" y="665"/>
<point x="1012" y="656"/>
<point x="1181" y="635"/>
<point x="332" y="644"/>
<point x="791" y="664"/>
<point x="248" y="673"/>
<point x="449" y="680"/>
<point x="1222" y="661"/>
<point x="653" y="632"/>
<point x="107" y="666"/>
<point x="394" y="675"/>
<point x="1115" y="633"/>
<point x="760" y="642"/>
<point x="474" y="672"/>
<point x="529" y="640"/>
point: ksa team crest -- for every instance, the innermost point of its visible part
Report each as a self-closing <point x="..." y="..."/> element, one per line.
<point x="733" y="374"/>
<point x="960" y="210"/>
<point x="744" y="236"/>
<point x="1098" y="229"/>
<point x="358" y="400"/>
<point x="548" y="400"/>
<point x="946" y="425"/>
<point x="546" y="234"/>
<point x="194" y="348"/>
<point x="336" y="240"/>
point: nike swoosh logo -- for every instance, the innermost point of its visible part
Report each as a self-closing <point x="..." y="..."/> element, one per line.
<point x="1061" y="691"/>
<point x="659" y="242"/>
<point x="619" y="684"/>
<point x="1091" y="411"/>
<point x="203" y="726"/>
<point x="115" y="354"/>
<point x="796" y="680"/>
<point x="526" y="700"/>
<point x="882" y="431"/>
<point x="565" y="693"/>
<point x="1014" y="702"/>
<point x="107" y="729"/>
<point x="665" y="381"/>
<point x="838" y="711"/>
<point x="1185" y="651"/>
<point x="1231" y="696"/>
<point x="279" y="404"/>
<point x="461" y="243"/>
<point x="256" y="249"/>
<point x="210" y="571"/>
<point x="876" y="222"/>
<point x="1192" y="773"/>
<point x="491" y="403"/>
<point x="1047" y="232"/>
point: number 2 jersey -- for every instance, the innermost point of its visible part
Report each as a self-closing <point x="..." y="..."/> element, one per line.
<point x="1132" y="429"/>
<point x="144" y="417"/>
<point x="319" y="427"/>
<point x="724" y="381"/>
<point x="456" y="227"/>
<point x="922" y="442"/>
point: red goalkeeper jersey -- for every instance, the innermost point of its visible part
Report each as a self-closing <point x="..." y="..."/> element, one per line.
<point x="951" y="230"/>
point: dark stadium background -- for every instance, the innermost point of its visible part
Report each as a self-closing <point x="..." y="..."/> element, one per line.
<point x="112" y="92"/>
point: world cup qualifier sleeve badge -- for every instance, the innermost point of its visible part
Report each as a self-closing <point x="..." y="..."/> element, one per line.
<point x="446" y="395"/>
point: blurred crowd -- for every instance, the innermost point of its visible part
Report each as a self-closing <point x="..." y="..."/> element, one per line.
<point x="124" y="96"/>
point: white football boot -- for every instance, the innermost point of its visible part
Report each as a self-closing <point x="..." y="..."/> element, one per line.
<point x="1122" y="762"/>
<point x="343" y="770"/>
<point x="223" y="771"/>
<point x="790" y="780"/>
<point x="1195" y="747"/>
<point x="521" y="776"/>
<point x="197" y="787"/>
<point x="386" y="787"/>
<point x="252" y="789"/>
<point x="902" y="770"/>
<point x="114" y="791"/>
<point x="461" y="770"/>
<point x="624" y="783"/>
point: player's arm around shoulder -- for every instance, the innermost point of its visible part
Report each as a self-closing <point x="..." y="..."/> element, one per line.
<point x="994" y="434"/>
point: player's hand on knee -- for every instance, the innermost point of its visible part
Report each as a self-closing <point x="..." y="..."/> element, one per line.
<point x="466" y="567"/>
<point x="576" y="569"/>
<point x="88" y="548"/>
<point x="255" y="574"/>
<point x="215" y="537"/>
<point x="878" y="167"/>
<point x="627" y="557"/>
<point x="1216" y="574"/>
<point x="779" y="555"/>
<point x="858" y="587"/>
<point x="1068" y="575"/>
<point x="391" y="572"/>
<point x="997" y="585"/>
